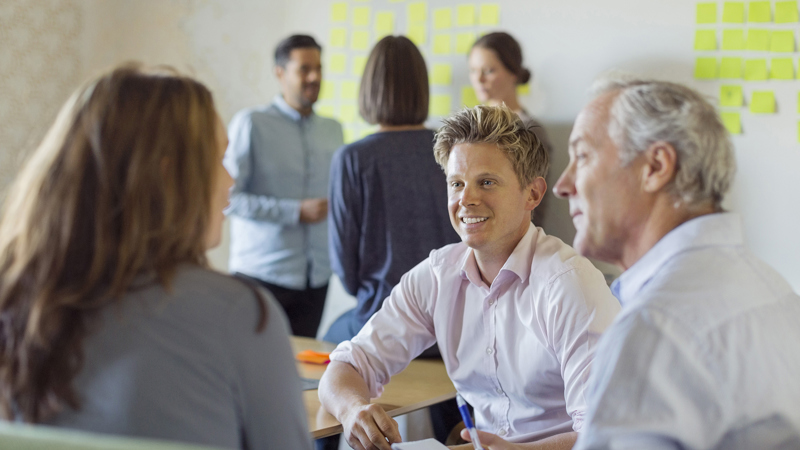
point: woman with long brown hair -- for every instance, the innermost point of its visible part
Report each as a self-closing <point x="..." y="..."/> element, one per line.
<point x="110" y="318"/>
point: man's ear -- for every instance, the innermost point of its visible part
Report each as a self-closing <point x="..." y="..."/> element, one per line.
<point x="278" y="70"/>
<point x="660" y="166"/>
<point x="536" y="191"/>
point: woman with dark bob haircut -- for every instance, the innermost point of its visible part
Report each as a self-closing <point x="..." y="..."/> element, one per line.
<point x="110" y="319"/>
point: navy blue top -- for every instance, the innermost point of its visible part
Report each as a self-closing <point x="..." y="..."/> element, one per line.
<point x="387" y="211"/>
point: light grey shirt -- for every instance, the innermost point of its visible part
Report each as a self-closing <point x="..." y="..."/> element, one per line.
<point x="189" y="366"/>
<point x="278" y="158"/>
<point x="706" y="351"/>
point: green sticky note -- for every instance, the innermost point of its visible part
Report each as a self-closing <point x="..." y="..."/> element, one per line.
<point x="384" y="24"/>
<point x="781" y="42"/>
<point x="705" y="68"/>
<point x="732" y="122"/>
<point x="489" y="14"/>
<point x="326" y="90"/>
<point x="338" y="38"/>
<point x="417" y="12"/>
<point x="786" y="12"/>
<point x="339" y="12"/>
<point x="360" y="40"/>
<point x="523" y="89"/>
<point x="349" y="91"/>
<point x="755" y="69"/>
<point x="359" y="63"/>
<point x="762" y="102"/>
<point x="733" y="12"/>
<point x="442" y="44"/>
<point x="759" y="12"/>
<point x="348" y="113"/>
<point x="733" y="39"/>
<point x="468" y="97"/>
<point x="361" y="16"/>
<point x="781" y="69"/>
<point x="325" y="111"/>
<point x="731" y="95"/>
<point x="442" y="75"/>
<point x="418" y="34"/>
<point x="758" y="40"/>
<point x="706" y="13"/>
<point x="705" y="40"/>
<point x="730" y="68"/>
<point x="337" y="63"/>
<point x="440" y="104"/>
<point x="464" y="42"/>
<point x="442" y="18"/>
<point x="465" y="15"/>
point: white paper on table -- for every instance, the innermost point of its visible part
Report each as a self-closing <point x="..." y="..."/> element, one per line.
<point x="427" y="444"/>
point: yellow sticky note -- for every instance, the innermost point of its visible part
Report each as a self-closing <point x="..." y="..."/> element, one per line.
<point x="706" y="13"/>
<point x="418" y="34"/>
<point x="442" y="75"/>
<point x="762" y="102"/>
<point x="359" y="63"/>
<point x="337" y="63"/>
<point x="440" y="104"/>
<point x="338" y="38"/>
<point x="731" y="95"/>
<point x="325" y="111"/>
<point x="360" y="40"/>
<point x="489" y="14"/>
<point x="465" y="15"/>
<point x="705" y="68"/>
<point x="755" y="69"/>
<point x="781" y="69"/>
<point x="442" y="18"/>
<point x="384" y="24"/>
<point x="468" y="97"/>
<point x="759" y="12"/>
<point x="733" y="12"/>
<point x="348" y="113"/>
<point x="339" y="12"/>
<point x="733" y="39"/>
<point x="730" y="68"/>
<point x="758" y="40"/>
<point x="782" y="42"/>
<point x="417" y="12"/>
<point x="361" y="16"/>
<point x="705" y="40"/>
<point x="326" y="90"/>
<point x="732" y="122"/>
<point x="349" y="91"/>
<point x="442" y="44"/>
<point x="786" y="12"/>
<point x="464" y="42"/>
<point x="523" y="89"/>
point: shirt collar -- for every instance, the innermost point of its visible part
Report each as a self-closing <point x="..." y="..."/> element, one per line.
<point x="518" y="263"/>
<point x="287" y="110"/>
<point x="710" y="230"/>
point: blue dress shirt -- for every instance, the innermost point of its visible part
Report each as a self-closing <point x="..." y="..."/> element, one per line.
<point x="278" y="158"/>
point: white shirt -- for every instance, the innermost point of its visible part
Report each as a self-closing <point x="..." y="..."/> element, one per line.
<point x="518" y="351"/>
<point x="706" y="353"/>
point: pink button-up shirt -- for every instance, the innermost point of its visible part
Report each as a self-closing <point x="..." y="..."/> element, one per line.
<point x="519" y="351"/>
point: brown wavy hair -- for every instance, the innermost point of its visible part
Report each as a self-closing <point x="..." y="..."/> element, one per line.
<point x="118" y="188"/>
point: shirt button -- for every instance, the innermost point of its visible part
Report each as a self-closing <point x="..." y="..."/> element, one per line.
<point x="489" y="351"/>
<point x="499" y="391"/>
<point x="502" y="432"/>
<point x="491" y="301"/>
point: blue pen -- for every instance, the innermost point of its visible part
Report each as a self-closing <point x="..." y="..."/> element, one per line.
<point x="473" y="433"/>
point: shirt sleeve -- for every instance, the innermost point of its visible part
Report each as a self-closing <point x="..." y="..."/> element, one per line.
<point x="344" y="219"/>
<point x="581" y="307"/>
<point x="399" y="332"/>
<point x="239" y="163"/>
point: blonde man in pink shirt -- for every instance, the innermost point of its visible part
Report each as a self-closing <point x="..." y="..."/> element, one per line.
<point x="516" y="313"/>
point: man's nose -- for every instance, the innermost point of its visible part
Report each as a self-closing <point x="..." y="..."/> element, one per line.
<point x="314" y="76"/>
<point x="565" y="186"/>
<point x="470" y="196"/>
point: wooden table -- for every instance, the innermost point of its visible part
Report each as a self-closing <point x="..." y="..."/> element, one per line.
<point x="421" y="384"/>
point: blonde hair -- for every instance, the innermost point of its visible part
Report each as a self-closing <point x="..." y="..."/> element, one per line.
<point x="497" y="125"/>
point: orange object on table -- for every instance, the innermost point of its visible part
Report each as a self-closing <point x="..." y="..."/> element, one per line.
<point x="310" y="356"/>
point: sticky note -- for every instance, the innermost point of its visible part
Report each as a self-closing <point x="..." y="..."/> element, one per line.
<point x="762" y="102"/>
<point x="758" y="39"/>
<point x="705" y="68"/>
<point x="730" y="68"/>
<point x="781" y="42"/>
<point x="755" y="69"/>
<point x="384" y="24"/>
<point x="731" y="95"/>
<point x="732" y="122"/>
<point x="326" y="90"/>
<point x="442" y="74"/>
<point x="360" y="40"/>
<point x="786" y="12"/>
<point x="325" y="111"/>
<point x="733" y="12"/>
<point x="361" y="16"/>
<point x="348" y="113"/>
<point x="759" y="12"/>
<point x="523" y="89"/>
<point x="442" y="18"/>
<point x="489" y="14"/>
<point x="359" y="63"/>
<point x="418" y="34"/>
<point x="417" y="12"/>
<point x="337" y="63"/>
<point x="464" y="42"/>
<point x="440" y="104"/>
<point x="465" y="15"/>
<point x="349" y="91"/>
<point x="733" y="39"/>
<point x="442" y="44"/>
<point x="781" y="69"/>
<point x="705" y="40"/>
<point x="468" y="97"/>
<point x="339" y="12"/>
<point x="706" y="13"/>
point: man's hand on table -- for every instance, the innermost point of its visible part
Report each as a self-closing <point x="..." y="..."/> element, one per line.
<point x="367" y="427"/>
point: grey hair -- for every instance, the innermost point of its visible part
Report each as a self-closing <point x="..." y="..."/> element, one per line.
<point x="644" y="112"/>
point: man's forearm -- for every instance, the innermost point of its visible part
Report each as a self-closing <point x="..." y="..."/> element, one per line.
<point x="341" y="388"/>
